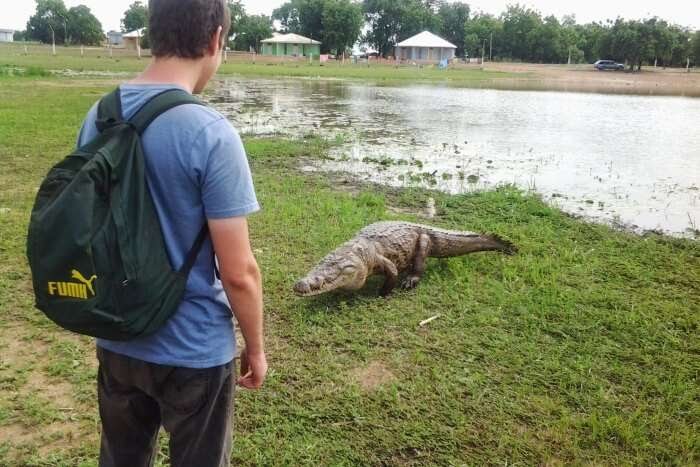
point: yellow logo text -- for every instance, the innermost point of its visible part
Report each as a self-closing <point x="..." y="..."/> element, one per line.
<point x="78" y="289"/>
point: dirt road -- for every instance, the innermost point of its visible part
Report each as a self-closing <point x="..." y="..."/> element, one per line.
<point x="583" y="78"/>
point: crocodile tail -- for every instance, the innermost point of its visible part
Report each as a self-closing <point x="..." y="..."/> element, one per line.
<point x="505" y="246"/>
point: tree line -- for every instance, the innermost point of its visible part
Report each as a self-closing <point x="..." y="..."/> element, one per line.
<point x="518" y="34"/>
<point x="54" y="23"/>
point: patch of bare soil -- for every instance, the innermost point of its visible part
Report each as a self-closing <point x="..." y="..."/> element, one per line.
<point x="46" y="438"/>
<point x="372" y="376"/>
<point x="583" y="78"/>
<point x="21" y="361"/>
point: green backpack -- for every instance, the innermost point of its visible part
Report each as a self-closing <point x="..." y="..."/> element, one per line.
<point x="95" y="247"/>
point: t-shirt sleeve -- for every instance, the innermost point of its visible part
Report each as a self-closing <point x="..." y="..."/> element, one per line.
<point x="88" y="130"/>
<point x="226" y="181"/>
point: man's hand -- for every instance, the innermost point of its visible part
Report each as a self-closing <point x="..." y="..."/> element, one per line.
<point x="240" y="277"/>
<point x="253" y="370"/>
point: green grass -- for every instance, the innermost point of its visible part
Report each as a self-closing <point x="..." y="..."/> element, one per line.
<point x="68" y="58"/>
<point x="582" y="349"/>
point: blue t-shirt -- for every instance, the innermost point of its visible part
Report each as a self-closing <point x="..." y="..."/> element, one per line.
<point x="196" y="170"/>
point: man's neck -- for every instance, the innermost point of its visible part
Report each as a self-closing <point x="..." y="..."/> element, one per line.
<point x="183" y="72"/>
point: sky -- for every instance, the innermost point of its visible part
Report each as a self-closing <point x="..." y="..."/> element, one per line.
<point x="15" y="13"/>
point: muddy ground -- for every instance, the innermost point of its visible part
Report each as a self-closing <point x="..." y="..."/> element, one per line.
<point x="583" y="78"/>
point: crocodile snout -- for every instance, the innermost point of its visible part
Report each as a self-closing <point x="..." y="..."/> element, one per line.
<point x="302" y="288"/>
<point x="309" y="286"/>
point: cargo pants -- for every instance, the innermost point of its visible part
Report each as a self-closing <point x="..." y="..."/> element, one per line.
<point x="136" y="398"/>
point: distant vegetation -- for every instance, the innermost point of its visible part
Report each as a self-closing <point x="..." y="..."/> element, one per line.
<point x="518" y="34"/>
<point x="53" y="23"/>
<point x="523" y="34"/>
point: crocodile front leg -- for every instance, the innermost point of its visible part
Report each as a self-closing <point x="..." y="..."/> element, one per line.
<point x="391" y="275"/>
<point x="421" y="256"/>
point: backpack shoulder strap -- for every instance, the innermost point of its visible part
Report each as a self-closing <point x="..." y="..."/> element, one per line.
<point x="160" y="104"/>
<point x="109" y="110"/>
<point x="109" y="114"/>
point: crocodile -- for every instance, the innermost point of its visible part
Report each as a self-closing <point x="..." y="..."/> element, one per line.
<point x="392" y="248"/>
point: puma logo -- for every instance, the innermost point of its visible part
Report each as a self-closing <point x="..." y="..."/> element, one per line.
<point x="73" y="289"/>
<point x="75" y="274"/>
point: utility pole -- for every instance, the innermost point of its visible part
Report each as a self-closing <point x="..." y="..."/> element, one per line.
<point x="53" y="39"/>
<point x="491" y="48"/>
<point x="138" y="43"/>
<point x="483" y="52"/>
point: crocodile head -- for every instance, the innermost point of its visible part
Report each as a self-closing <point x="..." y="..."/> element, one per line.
<point x="336" y="271"/>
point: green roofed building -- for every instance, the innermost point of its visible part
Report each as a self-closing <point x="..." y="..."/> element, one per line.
<point x="291" y="45"/>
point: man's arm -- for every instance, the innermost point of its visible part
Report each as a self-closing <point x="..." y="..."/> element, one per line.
<point x="240" y="276"/>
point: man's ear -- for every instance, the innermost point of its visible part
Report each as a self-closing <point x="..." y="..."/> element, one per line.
<point x="216" y="42"/>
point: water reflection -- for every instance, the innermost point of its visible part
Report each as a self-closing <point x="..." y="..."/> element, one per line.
<point x="633" y="160"/>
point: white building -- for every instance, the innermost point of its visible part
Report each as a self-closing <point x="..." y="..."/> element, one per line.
<point x="115" y="38"/>
<point x="132" y="39"/>
<point x="7" y="35"/>
<point x="425" y="46"/>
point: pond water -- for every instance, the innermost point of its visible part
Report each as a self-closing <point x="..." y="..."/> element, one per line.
<point x="621" y="159"/>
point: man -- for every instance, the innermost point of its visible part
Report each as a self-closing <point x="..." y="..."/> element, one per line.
<point x="182" y="377"/>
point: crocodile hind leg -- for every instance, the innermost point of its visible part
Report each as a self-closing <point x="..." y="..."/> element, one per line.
<point x="422" y="250"/>
<point x="391" y="275"/>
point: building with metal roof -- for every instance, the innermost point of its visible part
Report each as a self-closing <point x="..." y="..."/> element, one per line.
<point x="115" y="38"/>
<point x="292" y="45"/>
<point x="132" y="39"/>
<point x="425" y="46"/>
<point x="7" y="35"/>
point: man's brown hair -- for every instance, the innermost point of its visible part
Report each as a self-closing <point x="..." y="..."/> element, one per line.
<point x="184" y="28"/>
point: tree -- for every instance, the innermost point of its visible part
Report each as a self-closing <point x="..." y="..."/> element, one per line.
<point x="663" y="41"/>
<point x="454" y="17"/>
<point x="136" y="17"/>
<point x="83" y="27"/>
<point x="682" y="47"/>
<point x="520" y="26"/>
<point x="417" y="17"/>
<point x="695" y="47"/>
<point x="391" y="21"/>
<point x="19" y="36"/>
<point x="480" y="28"/>
<point x="237" y="14"/>
<point x="624" y="42"/>
<point x="572" y="39"/>
<point x="547" y="42"/>
<point x="342" y="23"/>
<point x="50" y="22"/>
<point x="251" y="31"/>
<point x="304" y="17"/>
<point x="384" y="19"/>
